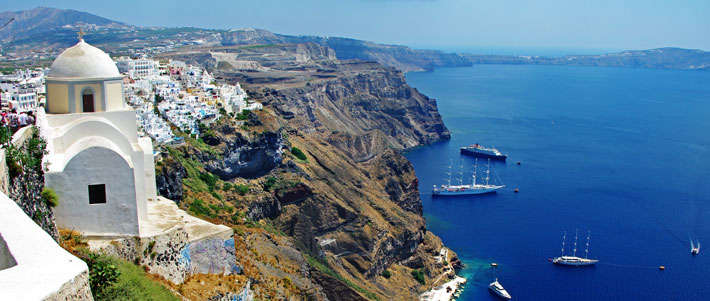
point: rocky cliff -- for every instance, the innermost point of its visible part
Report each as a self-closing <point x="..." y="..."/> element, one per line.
<point x="350" y="207"/>
<point x="401" y="57"/>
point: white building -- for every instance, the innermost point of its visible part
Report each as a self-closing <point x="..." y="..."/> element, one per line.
<point x="140" y="68"/>
<point x="153" y="125"/>
<point x="234" y="98"/>
<point x="102" y="171"/>
<point x="23" y="100"/>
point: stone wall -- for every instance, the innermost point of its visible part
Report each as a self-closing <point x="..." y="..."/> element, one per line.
<point x="26" y="187"/>
<point x="173" y="256"/>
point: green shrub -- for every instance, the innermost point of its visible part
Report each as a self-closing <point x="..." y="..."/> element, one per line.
<point x="244" y="115"/>
<point x="298" y="153"/>
<point x="216" y="195"/>
<point x="270" y="182"/>
<point x="102" y="274"/>
<point x="209" y="179"/>
<point x="241" y="189"/>
<point x="134" y="284"/>
<point x="29" y="155"/>
<point x="227" y="186"/>
<point x="419" y="276"/>
<point x="387" y="274"/>
<point x="50" y="197"/>
<point x="198" y="207"/>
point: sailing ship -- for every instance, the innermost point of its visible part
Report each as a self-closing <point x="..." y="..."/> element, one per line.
<point x="482" y="151"/>
<point x="693" y="248"/>
<point x="496" y="287"/>
<point x="467" y="189"/>
<point x="574" y="260"/>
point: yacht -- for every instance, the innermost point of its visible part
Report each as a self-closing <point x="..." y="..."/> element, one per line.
<point x="694" y="249"/>
<point x="574" y="260"/>
<point x="498" y="289"/>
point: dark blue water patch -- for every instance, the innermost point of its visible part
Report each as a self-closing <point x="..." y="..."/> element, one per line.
<point x="623" y="153"/>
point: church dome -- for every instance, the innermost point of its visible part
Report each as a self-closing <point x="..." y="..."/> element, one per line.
<point x="83" y="61"/>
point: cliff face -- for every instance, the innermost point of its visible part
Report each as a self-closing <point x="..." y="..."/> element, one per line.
<point x="168" y="178"/>
<point x="247" y="158"/>
<point x="352" y="206"/>
<point x="400" y="57"/>
<point x="358" y="106"/>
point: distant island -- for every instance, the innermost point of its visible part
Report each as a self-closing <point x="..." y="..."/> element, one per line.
<point x="36" y="36"/>
<point x="660" y="58"/>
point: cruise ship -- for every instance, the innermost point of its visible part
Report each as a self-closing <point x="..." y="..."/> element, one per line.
<point x="467" y="189"/>
<point x="482" y="151"/>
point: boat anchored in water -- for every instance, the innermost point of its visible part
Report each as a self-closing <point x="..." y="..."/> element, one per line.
<point x="482" y="151"/>
<point x="466" y="189"/>
<point x="694" y="249"/>
<point x="574" y="260"/>
<point x="496" y="287"/>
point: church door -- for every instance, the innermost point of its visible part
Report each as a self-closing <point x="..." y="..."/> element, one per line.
<point x="88" y="102"/>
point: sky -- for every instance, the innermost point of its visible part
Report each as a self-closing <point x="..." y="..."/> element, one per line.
<point x="485" y="26"/>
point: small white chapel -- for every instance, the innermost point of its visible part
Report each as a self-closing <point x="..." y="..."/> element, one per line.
<point x="101" y="170"/>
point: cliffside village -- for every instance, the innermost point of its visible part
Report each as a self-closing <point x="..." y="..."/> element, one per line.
<point x="163" y="93"/>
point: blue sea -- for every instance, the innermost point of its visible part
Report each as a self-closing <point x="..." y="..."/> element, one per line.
<point x="621" y="152"/>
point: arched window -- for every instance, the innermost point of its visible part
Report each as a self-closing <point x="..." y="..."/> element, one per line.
<point x="87" y="97"/>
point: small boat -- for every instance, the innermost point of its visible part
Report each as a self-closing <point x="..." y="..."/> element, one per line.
<point x="574" y="260"/>
<point x="482" y="151"/>
<point x="467" y="189"/>
<point x="498" y="289"/>
<point x="694" y="249"/>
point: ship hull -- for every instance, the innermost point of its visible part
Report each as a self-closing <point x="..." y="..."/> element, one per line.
<point x="482" y="154"/>
<point x="502" y="294"/>
<point x="465" y="192"/>
<point x="574" y="261"/>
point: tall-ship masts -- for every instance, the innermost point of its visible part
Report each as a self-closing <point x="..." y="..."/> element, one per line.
<point x="586" y="252"/>
<point x="448" y="182"/>
<point x="574" y="251"/>
<point x="466" y="189"/>
<point x="488" y="171"/>
<point x="461" y="174"/>
<point x="475" y="170"/>
<point x="574" y="260"/>
<point x="564" y="237"/>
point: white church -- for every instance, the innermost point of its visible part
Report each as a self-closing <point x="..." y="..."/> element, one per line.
<point x="102" y="171"/>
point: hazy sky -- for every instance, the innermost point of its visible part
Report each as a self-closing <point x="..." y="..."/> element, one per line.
<point x="440" y="24"/>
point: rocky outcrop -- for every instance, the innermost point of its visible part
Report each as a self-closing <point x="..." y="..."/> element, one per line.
<point x="363" y="100"/>
<point x="269" y="208"/>
<point x="335" y="289"/>
<point x="168" y="177"/>
<point x="247" y="158"/>
<point x="398" y="180"/>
